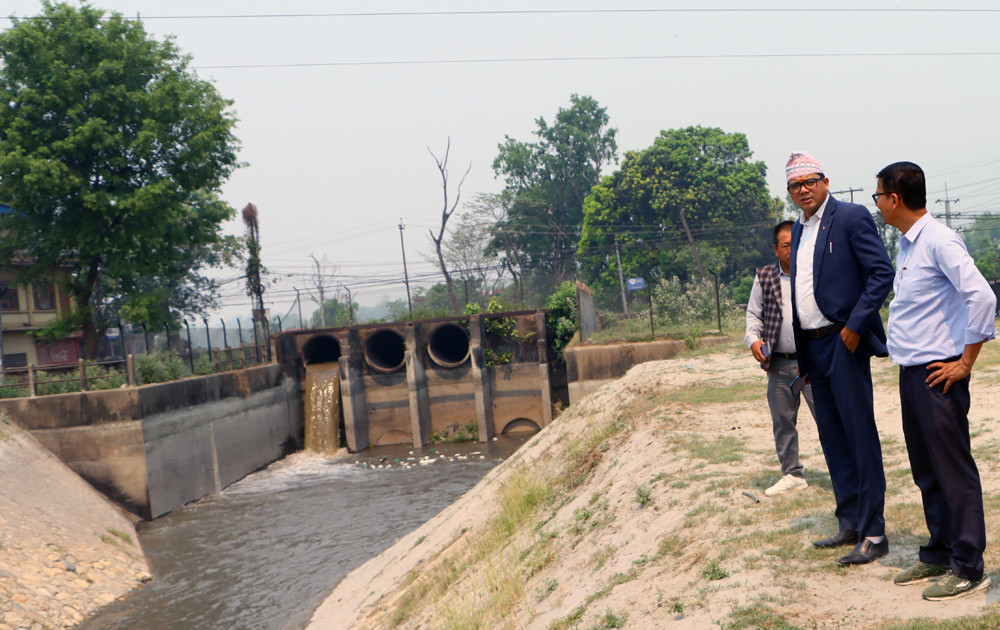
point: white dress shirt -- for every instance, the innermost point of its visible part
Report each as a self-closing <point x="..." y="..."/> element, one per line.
<point x="941" y="300"/>
<point x="810" y="317"/>
<point x="755" y="316"/>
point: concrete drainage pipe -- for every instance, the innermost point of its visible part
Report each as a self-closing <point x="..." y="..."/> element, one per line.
<point x="385" y="350"/>
<point x="448" y="345"/>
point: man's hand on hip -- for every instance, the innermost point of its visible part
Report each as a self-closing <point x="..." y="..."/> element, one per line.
<point x="948" y="373"/>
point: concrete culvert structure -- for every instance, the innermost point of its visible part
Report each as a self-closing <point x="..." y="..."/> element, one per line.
<point x="521" y="425"/>
<point x="321" y="349"/>
<point x="448" y="345"/>
<point x="385" y="350"/>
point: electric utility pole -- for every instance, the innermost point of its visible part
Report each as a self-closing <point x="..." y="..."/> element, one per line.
<point x="947" y="205"/>
<point x="621" y="279"/>
<point x="406" y="276"/>
<point x="849" y="190"/>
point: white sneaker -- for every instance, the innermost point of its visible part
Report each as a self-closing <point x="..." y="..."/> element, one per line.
<point x="786" y="484"/>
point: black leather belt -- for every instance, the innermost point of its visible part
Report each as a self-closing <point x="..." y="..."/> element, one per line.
<point x="784" y="355"/>
<point x="819" y="333"/>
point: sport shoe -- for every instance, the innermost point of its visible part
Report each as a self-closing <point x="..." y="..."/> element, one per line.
<point x="951" y="586"/>
<point x="920" y="572"/>
<point x="788" y="483"/>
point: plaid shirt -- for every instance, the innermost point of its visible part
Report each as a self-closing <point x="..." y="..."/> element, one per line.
<point x="770" y="284"/>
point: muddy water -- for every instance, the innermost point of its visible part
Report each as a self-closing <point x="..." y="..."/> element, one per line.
<point x="265" y="552"/>
<point x="322" y="407"/>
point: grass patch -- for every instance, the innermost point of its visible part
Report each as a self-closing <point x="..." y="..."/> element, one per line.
<point x="989" y="621"/>
<point x="757" y="617"/>
<point x="670" y="547"/>
<point x="122" y="536"/>
<point x="571" y="620"/>
<point x="714" y="572"/>
<point x="546" y="589"/>
<point x="643" y="495"/>
<point x="610" y="620"/>
<point x="708" y="393"/>
<point x="602" y="555"/>
<point x="722" y="450"/>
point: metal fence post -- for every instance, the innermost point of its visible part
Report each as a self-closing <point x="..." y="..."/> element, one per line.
<point x="208" y="337"/>
<point x="31" y="381"/>
<point x="256" y="345"/>
<point x="130" y="370"/>
<point x="190" y="347"/>
<point x="83" y="374"/>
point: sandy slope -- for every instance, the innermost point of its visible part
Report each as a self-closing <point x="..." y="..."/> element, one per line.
<point x="692" y="434"/>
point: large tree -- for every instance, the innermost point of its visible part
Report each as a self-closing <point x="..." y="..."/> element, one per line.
<point x="547" y="181"/>
<point x="691" y="204"/>
<point x="112" y="153"/>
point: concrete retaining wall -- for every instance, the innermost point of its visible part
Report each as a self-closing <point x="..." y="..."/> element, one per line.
<point x="590" y="367"/>
<point x="157" y="447"/>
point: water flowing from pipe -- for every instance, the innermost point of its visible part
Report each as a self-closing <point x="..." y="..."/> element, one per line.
<point x="322" y="407"/>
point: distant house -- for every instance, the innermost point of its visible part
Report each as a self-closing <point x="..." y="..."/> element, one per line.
<point x="26" y="308"/>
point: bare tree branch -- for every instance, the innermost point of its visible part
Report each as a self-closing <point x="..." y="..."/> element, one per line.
<point x="446" y="212"/>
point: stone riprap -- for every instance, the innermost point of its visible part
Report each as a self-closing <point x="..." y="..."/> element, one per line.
<point x="65" y="550"/>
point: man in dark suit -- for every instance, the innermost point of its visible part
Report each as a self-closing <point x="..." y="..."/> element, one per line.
<point x="841" y="275"/>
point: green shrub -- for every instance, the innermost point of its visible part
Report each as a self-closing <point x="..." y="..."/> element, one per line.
<point x="204" y="364"/>
<point x="105" y="377"/>
<point x="676" y="303"/>
<point x="67" y="382"/>
<point x="562" y="320"/>
<point x="159" y="367"/>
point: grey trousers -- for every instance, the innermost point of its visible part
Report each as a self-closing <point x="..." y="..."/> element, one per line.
<point x="784" y="413"/>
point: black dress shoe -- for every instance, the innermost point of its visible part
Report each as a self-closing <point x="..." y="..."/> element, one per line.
<point x="842" y="539"/>
<point x="864" y="552"/>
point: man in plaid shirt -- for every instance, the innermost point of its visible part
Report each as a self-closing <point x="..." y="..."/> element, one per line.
<point x="771" y="340"/>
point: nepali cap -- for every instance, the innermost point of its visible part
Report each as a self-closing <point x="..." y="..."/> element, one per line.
<point x="801" y="163"/>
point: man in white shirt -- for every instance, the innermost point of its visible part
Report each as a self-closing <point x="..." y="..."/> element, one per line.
<point x="771" y="340"/>
<point x="942" y="314"/>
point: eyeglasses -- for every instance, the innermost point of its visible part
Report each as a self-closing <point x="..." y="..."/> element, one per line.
<point x="808" y="184"/>
<point x="875" y="196"/>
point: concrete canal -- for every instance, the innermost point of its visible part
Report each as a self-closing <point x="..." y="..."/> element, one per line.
<point x="265" y="552"/>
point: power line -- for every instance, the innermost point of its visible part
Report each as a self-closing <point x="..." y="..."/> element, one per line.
<point x="499" y="60"/>
<point x="419" y="62"/>
<point x="495" y="12"/>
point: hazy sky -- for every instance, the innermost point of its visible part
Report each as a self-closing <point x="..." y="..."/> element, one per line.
<point x="337" y="111"/>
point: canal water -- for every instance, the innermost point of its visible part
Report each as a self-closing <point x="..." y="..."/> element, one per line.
<point x="266" y="551"/>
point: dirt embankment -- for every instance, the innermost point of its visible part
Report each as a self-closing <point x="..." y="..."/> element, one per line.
<point x="632" y="510"/>
<point x="65" y="550"/>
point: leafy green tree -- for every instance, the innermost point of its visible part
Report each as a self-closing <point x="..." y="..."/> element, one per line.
<point x="112" y="153"/>
<point x="547" y="181"/>
<point x="338" y="313"/>
<point x="983" y="240"/>
<point x="692" y="204"/>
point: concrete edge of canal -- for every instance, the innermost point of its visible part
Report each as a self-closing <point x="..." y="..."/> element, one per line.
<point x="65" y="549"/>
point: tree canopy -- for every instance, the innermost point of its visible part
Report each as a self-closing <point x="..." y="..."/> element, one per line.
<point x="112" y="153"/>
<point x="982" y="238"/>
<point x="547" y="182"/>
<point x="693" y="203"/>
